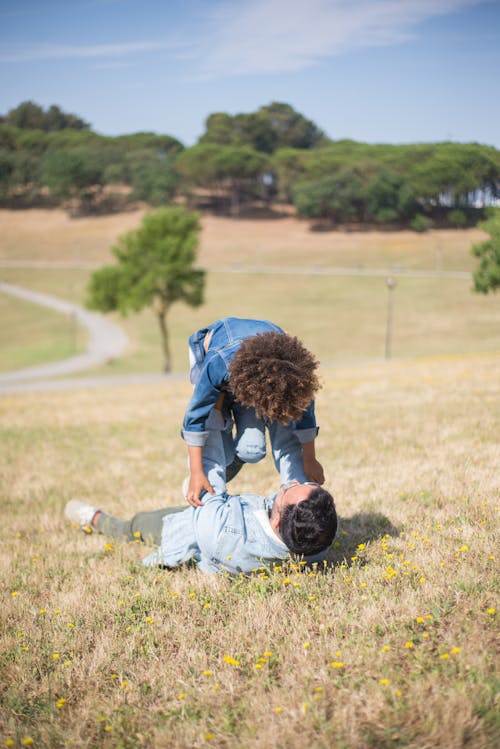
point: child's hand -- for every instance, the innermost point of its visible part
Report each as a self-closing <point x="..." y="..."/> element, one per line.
<point x="198" y="482"/>
<point x="314" y="470"/>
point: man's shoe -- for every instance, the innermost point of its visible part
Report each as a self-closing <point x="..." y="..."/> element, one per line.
<point x="80" y="514"/>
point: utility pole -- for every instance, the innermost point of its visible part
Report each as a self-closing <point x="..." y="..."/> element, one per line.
<point x="391" y="283"/>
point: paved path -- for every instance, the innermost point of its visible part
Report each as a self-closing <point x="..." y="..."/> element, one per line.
<point x="106" y="340"/>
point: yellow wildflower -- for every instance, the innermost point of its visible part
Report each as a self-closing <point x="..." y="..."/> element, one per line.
<point x="409" y="645"/>
<point x="444" y="656"/>
<point x="337" y="664"/>
<point x="384" y="682"/>
<point x="231" y="661"/>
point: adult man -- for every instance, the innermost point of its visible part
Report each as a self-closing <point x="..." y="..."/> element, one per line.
<point x="238" y="533"/>
<point x="227" y="533"/>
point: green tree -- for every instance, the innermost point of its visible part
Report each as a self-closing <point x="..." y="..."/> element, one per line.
<point x="73" y="174"/>
<point x="154" y="268"/>
<point x="31" y="116"/>
<point x="153" y="177"/>
<point x="7" y="166"/>
<point x="487" y="275"/>
<point x="337" y="198"/>
<point x="233" y="171"/>
<point x="383" y="197"/>
<point x="291" y="128"/>
<point x="239" y="169"/>
<point x="276" y="125"/>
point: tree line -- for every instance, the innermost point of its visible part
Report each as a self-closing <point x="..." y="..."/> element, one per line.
<point x="269" y="157"/>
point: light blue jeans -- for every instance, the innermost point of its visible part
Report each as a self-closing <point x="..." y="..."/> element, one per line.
<point x="247" y="441"/>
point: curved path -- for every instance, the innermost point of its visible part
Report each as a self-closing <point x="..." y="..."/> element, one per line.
<point x="106" y="340"/>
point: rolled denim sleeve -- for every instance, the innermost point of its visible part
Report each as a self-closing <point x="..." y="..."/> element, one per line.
<point x="306" y="429"/>
<point x="205" y="395"/>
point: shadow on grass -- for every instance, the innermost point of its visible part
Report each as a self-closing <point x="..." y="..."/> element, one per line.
<point x="361" y="528"/>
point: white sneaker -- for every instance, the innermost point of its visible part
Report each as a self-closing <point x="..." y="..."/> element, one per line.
<point x="80" y="514"/>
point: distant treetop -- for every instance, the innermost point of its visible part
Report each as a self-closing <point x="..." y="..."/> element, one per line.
<point x="31" y="116"/>
<point x="274" y="126"/>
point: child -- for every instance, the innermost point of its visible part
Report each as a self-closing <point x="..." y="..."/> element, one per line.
<point x="254" y="373"/>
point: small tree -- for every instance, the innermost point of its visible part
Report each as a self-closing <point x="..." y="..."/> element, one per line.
<point x="155" y="268"/>
<point x="487" y="275"/>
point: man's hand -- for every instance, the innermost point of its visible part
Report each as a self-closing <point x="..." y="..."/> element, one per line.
<point x="198" y="482"/>
<point x="314" y="470"/>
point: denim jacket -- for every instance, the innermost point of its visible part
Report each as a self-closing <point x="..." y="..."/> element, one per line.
<point x="226" y="534"/>
<point x="209" y="375"/>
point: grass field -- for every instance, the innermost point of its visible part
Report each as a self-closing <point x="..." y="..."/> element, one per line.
<point x="339" y="318"/>
<point x="393" y="646"/>
<point x="32" y="335"/>
<point x="53" y="236"/>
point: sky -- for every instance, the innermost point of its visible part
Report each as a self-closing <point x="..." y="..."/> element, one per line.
<point x="377" y="71"/>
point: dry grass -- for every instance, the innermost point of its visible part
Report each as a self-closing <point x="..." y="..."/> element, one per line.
<point x="339" y="318"/>
<point x="53" y="236"/>
<point x="98" y="651"/>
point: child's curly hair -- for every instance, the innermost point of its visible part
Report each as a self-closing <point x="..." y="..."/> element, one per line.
<point x="275" y="374"/>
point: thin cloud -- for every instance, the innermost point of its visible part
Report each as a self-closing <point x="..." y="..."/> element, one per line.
<point x="277" y="36"/>
<point x="28" y="53"/>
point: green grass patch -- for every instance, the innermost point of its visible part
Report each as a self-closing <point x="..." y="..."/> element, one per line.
<point x="340" y="319"/>
<point x="31" y="335"/>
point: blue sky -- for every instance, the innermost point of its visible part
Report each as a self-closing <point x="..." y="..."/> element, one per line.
<point x="393" y="71"/>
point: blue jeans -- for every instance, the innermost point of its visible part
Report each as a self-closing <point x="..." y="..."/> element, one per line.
<point x="248" y="442"/>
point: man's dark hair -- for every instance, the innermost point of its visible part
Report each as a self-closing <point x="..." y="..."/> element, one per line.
<point x="275" y="374"/>
<point x="310" y="526"/>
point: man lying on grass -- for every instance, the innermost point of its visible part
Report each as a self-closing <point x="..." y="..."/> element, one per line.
<point x="227" y="533"/>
